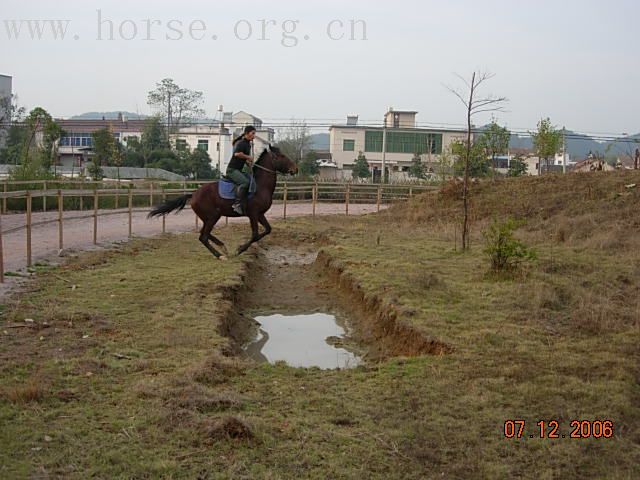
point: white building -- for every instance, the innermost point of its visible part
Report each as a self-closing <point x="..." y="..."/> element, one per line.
<point x="403" y="141"/>
<point x="6" y="91"/>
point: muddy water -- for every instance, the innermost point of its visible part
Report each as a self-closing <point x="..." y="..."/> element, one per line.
<point x="289" y="307"/>
<point x="312" y="340"/>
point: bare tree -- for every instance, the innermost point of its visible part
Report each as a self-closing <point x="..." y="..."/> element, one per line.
<point x="295" y="140"/>
<point x="474" y="105"/>
<point x="177" y="105"/>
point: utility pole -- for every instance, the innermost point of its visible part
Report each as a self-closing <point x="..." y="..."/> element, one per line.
<point x="168" y="116"/>
<point x="564" y="151"/>
<point x="384" y="149"/>
<point x="220" y="125"/>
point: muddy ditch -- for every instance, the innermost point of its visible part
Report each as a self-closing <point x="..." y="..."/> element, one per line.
<point x="295" y="304"/>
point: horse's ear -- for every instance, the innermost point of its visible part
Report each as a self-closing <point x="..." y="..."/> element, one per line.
<point x="269" y="147"/>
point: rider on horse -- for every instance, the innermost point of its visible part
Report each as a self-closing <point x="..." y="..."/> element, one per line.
<point x="241" y="156"/>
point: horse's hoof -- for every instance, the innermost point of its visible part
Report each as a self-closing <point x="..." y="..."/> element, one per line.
<point x="223" y="258"/>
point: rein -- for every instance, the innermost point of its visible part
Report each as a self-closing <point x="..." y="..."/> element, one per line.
<point x="256" y="164"/>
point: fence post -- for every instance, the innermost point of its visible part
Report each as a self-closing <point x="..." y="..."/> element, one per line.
<point x="410" y="192"/>
<point x="130" y="210"/>
<point x="4" y="200"/>
<point x="28" y="229"/>
<point x="284" y="210"/>
<point x="81" y="197"/>
<point x="60" y="210"/>
<point x="164" y="217"/>
<point x="44" y="196"/>
<point x="314" y="198"/>
<point x="346" y="198"/>
<point x="1" y="253"/>
<point x="95" y="216"/>
<point x="118" y="192"/>
<point x="379" y="197"/>
<point x="151" y="194"/>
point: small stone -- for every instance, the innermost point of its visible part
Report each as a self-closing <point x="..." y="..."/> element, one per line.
<point x="41" y="338"/>
<point x="84" y="337"/>
<point x="5" y="332"/>
<point x="47" y="438"/>
<point x="28" y="320"/>
<point x="89" y="374"/>
<point x="73" y="287"/>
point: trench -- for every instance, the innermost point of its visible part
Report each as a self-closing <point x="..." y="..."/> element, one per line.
<point x="296" y="306"/>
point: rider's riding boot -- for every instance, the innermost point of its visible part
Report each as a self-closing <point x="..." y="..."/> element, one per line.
<point x="240" y="205"/>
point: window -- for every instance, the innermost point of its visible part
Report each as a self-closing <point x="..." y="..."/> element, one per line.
<point x="203" y="145"/>
<point x="414" y="142"/>
<point x="181" y="144"/>
<point x="373" y="141"/>
<point x="348" y="145"/>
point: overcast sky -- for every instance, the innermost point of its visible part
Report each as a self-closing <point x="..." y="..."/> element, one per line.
<point x="574" y="61"/>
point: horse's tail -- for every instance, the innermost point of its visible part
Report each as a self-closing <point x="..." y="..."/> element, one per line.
<point x="168" y="207"/>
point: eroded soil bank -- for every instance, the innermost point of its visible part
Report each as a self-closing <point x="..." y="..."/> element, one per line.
<point x="299" y="278"/>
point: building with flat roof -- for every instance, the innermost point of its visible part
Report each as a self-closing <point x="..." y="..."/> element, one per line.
<point x="6" y="91"/>
<point x="76" y="145"/>
<point x="404" y="139"/>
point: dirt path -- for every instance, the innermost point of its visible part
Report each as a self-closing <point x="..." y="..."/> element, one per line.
<point x="78" y="234"/>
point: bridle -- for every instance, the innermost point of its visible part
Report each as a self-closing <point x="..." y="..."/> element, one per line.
<point x="256" y="164"/>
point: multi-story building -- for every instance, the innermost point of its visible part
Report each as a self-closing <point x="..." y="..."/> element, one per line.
<point x="402" y="138"/>
<point x="6" y="91"/>
<point x="75" y="147"/>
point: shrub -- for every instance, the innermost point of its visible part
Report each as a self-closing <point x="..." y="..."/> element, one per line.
<point x="505" y="252"/>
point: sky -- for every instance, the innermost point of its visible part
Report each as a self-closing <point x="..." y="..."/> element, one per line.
<point x="573" y="61"/>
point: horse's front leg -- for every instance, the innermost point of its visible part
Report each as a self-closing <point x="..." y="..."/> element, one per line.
<point x="254" y="235"/>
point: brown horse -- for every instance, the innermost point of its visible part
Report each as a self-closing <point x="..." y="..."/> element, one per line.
<point x="209" y="206"/>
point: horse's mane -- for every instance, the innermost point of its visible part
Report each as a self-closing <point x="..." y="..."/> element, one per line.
<point x="272" y="149"/>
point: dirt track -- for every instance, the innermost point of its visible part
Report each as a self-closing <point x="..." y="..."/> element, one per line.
<point x="78" y="234"/>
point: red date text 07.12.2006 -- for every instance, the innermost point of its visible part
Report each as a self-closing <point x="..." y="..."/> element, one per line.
<point x="553" y="429"/>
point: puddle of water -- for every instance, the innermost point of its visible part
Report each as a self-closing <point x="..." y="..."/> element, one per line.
<point x="301" y="341"/>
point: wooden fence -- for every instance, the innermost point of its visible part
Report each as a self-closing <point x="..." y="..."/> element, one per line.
<point x="138" y="196"/>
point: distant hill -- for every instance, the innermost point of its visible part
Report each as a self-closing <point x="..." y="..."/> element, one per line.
<point x="319" y="141"/>
<point x="108" y="116"/>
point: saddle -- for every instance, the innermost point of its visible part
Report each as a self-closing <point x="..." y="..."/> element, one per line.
<point x="229" y="190"/>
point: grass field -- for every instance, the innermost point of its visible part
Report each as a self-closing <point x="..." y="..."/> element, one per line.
<point x="128" y="374"/>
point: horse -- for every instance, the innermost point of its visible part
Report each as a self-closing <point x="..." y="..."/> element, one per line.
<point x="207" y="203"/>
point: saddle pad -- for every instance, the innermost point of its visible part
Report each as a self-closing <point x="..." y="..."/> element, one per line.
<point x="227" y="189"/>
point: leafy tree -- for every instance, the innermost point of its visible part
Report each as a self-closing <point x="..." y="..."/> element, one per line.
<point x="16" y="141"/>
<point x="175" y="104"/>
<point x="495" y="141"/>
<point x="478" y="164"/>
<point x="546" y="142"/>
<point x="517" y="167"/>
<point x="197" y="164"/>
<point x="308" y="166"/>
<point x="10" y="114"/>
<point x="417" y="168"/>
<point x="504" y="250"/>
<point x="361" y="167"/>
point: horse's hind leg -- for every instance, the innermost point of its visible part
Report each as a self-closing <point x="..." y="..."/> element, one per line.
<point x="205" y="233"/>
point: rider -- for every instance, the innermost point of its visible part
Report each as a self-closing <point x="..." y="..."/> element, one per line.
<point x="241" y="156"/>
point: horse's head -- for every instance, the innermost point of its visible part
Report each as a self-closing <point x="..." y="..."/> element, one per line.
<point x="281" y="162"/>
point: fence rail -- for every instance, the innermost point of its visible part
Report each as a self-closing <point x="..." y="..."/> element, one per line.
<point x="138" y="198"/>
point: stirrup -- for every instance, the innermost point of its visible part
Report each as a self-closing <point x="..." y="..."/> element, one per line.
<point x="237" y="207"/>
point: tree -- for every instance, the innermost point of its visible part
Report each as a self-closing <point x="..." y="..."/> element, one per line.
<point x="546" y="142"/>
<point x="417" y="169"/>
<point x="198" y="164"/>
<point x="308" y="166"/>
<point x="473" y="106"/>
<point x="478" y="163"/>
<point x="444" y="164"/>
<point x="295" y="141"/>
<point x="495" y="141"/>
<point x="360" y="167"/>
<point x="104" y="151"/>
<point x="175" y="104"/>
<point x="517" y="167"/>
<point x="10" y="114"/>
